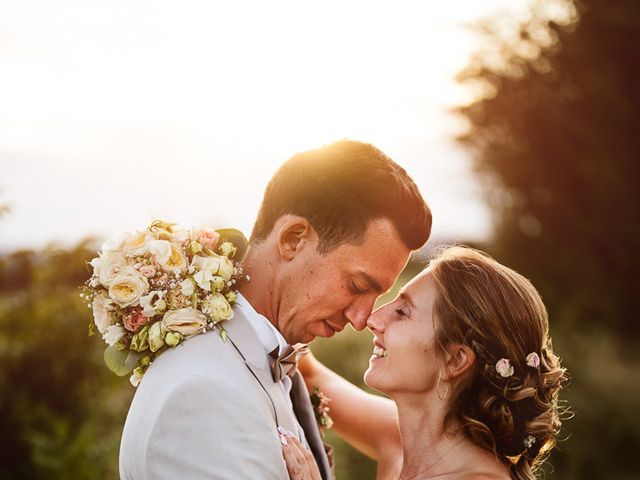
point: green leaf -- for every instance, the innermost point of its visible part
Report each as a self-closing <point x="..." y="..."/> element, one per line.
<point x="120" y="362"/>
<point x="223" y="335"/>
<point x="237" y="238"/>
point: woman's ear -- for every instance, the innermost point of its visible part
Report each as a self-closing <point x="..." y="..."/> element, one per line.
<point x="294" y="234"/>
<point x="460" y="358"/>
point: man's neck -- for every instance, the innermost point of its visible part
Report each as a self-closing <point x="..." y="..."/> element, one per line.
<point x="261" y="290"/>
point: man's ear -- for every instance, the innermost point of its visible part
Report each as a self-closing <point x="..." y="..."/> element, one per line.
<point x="460" y="358"/>
<point x="294" y="234"/>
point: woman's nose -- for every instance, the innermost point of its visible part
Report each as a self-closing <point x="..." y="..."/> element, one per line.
<point x="375" y="322"/>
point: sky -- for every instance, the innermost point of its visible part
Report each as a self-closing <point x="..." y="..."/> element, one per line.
<point x="114" y="113"/>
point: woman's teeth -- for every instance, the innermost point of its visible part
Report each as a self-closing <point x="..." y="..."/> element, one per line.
<point x="379" y="351"/>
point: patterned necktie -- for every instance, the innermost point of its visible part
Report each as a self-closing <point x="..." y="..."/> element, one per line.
<point x="287" y="362"/>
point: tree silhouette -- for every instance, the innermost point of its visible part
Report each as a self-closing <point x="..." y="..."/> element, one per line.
<point x="555" y="139"/>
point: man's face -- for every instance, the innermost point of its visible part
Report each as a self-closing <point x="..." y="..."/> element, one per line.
<point x="320" y="293"/>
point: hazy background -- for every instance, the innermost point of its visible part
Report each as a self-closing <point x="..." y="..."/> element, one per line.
<point x="517" y="119"/>
<point x="114" y="113"/>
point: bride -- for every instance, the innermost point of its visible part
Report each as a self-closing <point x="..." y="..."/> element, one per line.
<point x="464" y="354"/>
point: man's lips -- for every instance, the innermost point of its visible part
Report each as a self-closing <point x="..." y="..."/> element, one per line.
<point x="331" y="329"/>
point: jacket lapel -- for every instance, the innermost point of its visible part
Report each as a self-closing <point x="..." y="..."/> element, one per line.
<point x="246" y="341"/>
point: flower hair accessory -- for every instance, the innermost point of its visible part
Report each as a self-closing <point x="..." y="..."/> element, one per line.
<point x="504" y="368"/>
<point x="533" y="360"/>
<point x="529" y="441"/>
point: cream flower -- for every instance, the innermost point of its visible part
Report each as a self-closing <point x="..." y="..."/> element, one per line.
<point x="102" y="316"/>
<point x="156" y="340"/>
<point x="107" y="266"/>
<point x="113" y="334"/>
<point x="114" y="243"/>
<point x="136" y="376"/>
<point x="185" y="321"/>
<point x="217" y="307"/>
<point x="137" y="244"/>
<point x="149" y="303"/>
<point x="218" y="283"/>
<point x="228" y="249"/>
<point x="176" y="263"/>
<point x="188" y="286"/>
<point x="504" y="367"/>
<point x="176" y="299"/>
<point x="128" y="286"/>
<point x="215" y="264"/>
<point x="173" y="339"/>
<point x="203" y="279"/>
<point x="161" y="250"/>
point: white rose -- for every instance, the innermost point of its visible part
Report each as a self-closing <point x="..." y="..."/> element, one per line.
<point x="203" y="279"/>
<point x="188" y="287"/>
<point x="179" y="236"/>
<point x="102" y="308"/>
<point x="114" y="243"/>
<point x="215" y="264"/>
<point x="137" y="244"/>
<point x="113" y="334"/>
<point x="176" y="263"/>
<point x="185" y="321"/>
<point x="107" y="266"/>
<point x="161" y="249"/>
<point x="128" y="286"/>
<point x="217" y="307"/>
<point x="149" y="303"/>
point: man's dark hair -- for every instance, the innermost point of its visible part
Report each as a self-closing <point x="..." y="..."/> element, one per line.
<point x="339" y="188"/>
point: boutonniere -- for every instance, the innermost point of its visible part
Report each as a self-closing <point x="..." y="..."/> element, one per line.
<point x="320" y="404"/>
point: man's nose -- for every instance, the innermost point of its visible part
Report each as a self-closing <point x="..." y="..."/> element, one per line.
<point x="359" y="311"/>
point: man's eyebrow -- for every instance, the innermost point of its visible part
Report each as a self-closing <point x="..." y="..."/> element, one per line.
<point x="372" y="281"/>
<point x="407" y="299"/>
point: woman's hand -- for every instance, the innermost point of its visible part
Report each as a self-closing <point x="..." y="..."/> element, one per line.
<point x="300" y="462"/>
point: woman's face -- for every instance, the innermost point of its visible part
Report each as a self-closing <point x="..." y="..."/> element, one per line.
<point x="404" y="358"/>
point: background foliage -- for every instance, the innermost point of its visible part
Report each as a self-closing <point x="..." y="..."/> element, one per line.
<point x="554" y="141"/>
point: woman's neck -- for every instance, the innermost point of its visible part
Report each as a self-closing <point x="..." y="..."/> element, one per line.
<point x="425" y="443"/>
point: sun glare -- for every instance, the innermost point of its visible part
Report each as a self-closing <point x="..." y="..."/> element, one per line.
<point x="228" y="89"/>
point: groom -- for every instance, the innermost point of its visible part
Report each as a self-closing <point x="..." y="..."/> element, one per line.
<point x="336" y="227"/>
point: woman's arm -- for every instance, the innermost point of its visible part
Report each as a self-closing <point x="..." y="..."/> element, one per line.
<point x="367" y="422"/>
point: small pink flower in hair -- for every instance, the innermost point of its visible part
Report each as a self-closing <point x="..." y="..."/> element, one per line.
<point x="533" y="360"/>
<point x="504" y="368"/>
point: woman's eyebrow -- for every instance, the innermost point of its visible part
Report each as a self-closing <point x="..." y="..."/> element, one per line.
<point x="407" y="299"/>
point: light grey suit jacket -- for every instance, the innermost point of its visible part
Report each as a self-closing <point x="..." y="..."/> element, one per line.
<point x="208" y="410"/>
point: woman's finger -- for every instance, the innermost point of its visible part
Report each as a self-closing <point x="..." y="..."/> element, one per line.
<point x="294" y="468"/>
<point x="312" y="471"/>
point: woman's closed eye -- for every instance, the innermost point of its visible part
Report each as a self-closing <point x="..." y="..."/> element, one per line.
<point x="401" y="313"/>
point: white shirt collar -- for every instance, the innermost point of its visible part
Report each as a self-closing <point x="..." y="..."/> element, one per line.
<point x="268" y="335"/>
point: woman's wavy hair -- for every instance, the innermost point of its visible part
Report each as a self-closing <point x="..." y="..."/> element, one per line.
<point x="498" y="314"/>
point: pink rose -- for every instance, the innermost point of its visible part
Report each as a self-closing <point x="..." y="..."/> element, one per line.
<point x="504" y="367"/>
<point x="148" y="271"/>
<point x="533" y="360"/>
<point x="208" y="239"/>
<point x="135" y="320"/>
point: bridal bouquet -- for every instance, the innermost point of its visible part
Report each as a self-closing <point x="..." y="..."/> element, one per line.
<point x="151" y="290"/>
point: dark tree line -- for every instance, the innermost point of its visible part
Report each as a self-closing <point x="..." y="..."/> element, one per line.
<point x="556" y="142"/>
